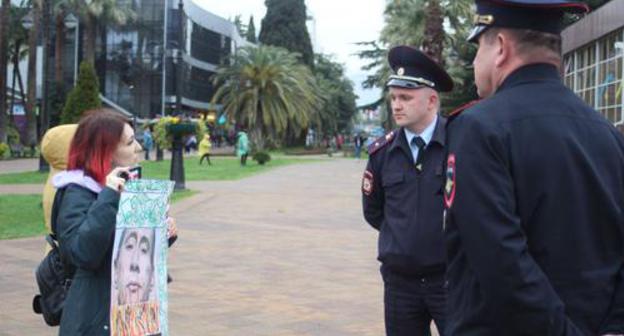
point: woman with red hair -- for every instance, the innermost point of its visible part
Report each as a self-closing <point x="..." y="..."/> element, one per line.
<point x="84" y="215"/>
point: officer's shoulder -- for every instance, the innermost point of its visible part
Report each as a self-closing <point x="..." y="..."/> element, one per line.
<point x="381" y="142"/>
<point x="459" y="110"/>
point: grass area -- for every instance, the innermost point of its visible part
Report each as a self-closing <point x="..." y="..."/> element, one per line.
<point x="22" y="215"/>
<point x="33" y="177"/>
<point x="223" y="168"/>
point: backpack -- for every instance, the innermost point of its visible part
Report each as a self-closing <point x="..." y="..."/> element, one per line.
<point x="54" y="275"/>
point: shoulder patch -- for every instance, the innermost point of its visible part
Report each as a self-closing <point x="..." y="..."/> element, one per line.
<point x="462" y="108"/>
<point x="381" y="142"/>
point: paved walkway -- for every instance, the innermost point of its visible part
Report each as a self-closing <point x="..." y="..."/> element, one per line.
<point x="282" y="253"/>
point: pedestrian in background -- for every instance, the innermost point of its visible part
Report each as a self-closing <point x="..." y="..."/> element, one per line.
<point x="148" y="142"/>
<point x="204" y="149"/>
<point x="535" y="189"/>
<point x="242" y="147"/>
<point x="358" y="141"/>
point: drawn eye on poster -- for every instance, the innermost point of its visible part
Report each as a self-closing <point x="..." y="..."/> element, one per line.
<point x="139" y="263"/>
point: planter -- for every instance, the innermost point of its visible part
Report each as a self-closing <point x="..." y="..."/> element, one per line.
<point x="181" y="129"/>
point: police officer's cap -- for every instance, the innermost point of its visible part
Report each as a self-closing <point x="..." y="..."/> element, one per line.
<point x="412" y="70"/>
<point x="539" y="15"/>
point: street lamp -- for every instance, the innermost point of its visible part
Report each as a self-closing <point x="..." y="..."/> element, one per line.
<point x="71" y="22"/>
<point x="27" y="21"/>
<point x="177" y="155"/>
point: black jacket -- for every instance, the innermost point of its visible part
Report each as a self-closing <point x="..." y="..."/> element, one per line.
<point x="535" y="225"/>
<point x="406" y="205"/>
<point x="85" y="227"/>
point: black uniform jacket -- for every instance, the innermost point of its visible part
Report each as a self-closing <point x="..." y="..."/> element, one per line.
<point x="406" y="205"/>
<point x="535" y="221"/>
<point x="86" y="231"/>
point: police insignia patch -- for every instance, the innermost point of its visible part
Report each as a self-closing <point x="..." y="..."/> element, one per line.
<point x="449" y="187"/>
<point x="367" y="183"/>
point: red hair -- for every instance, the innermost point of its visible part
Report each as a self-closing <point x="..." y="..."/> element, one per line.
<point x="97" y="137"/>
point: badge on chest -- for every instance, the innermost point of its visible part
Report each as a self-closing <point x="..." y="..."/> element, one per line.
<point x="367" y="183"/>
<point x="449" y="187"/>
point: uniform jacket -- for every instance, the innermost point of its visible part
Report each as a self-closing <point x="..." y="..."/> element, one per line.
<point x="535" y="221"/>
<point x="406" y="205"/>
<point x="85" y="227"/>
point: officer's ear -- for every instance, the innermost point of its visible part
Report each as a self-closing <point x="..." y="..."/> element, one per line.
<point x="505" y="48"/>
<point x="434" y="101"/>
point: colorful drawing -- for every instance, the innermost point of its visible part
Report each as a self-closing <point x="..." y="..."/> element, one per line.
<point x="139" y="261"/>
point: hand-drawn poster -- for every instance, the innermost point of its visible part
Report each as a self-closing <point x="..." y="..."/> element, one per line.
<point x="139" y="261"/>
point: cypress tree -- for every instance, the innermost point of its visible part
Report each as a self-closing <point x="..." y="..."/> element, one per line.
<point x="251" y="31"/>
<point x="83" y="97"/>
<point x="284" y="25"/>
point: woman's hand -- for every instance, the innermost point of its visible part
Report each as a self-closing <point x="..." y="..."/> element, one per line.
<point x="172" y="229"/>
<point x="116" y="182"/>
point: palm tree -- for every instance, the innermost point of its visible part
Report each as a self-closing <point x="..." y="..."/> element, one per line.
<point x="4" y="29"/>
<point x="31" y="118"/>
<point x="95" y="12"/>
<point x="267" y="89"/>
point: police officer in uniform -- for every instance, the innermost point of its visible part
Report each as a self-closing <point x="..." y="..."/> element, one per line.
<point x="403" y="198"/>
<point x="535" y="190"/>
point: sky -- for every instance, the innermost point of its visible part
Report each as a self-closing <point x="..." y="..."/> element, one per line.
<point x="337" y="26"/>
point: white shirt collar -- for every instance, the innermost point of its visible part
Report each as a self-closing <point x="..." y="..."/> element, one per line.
<point x="426" y="134"/>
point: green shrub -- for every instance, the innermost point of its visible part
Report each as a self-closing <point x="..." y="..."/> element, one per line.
<point x="13" y="136"/>
<point x="83" y="97"/>
<point x="262" y="157"/>
<point x="4" y="149"/>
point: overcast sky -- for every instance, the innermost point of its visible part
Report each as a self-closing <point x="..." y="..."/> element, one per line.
<point x="339" y="24"/>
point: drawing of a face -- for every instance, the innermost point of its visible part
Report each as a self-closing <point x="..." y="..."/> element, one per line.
<point x="134" y="266"/>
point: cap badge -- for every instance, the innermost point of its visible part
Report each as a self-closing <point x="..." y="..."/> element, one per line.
<point x="483" y="19"/>
<point x="401" y="71"/>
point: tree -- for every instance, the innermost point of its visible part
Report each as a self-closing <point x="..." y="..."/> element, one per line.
<point x="268" y="90"/>
<point x="250" y="35"/>
<point x="83" y="97"/>
<point x="420" y="23"/>
<point x="31" y="117"/>
<point x="94" y="13"/>
<point x="17" y="51"/>
<point x="4" y="34"/>
<point x="284" y="25"/>
<point x="338" y="99"/>
<point x="238" y="23"/>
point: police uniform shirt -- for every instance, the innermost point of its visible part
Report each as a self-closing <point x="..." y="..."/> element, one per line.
<point x="426" y="135"/>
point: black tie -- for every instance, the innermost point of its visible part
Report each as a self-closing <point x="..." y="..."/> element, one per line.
<point x="420" y="143"/>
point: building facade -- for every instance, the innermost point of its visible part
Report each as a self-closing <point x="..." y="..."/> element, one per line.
<point x="593" y="51"/>
<point x="143" y="65"/>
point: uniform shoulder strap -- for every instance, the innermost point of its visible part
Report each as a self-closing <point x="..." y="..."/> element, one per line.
<point x="462" y="108"/>
<point x="381" y="142"/>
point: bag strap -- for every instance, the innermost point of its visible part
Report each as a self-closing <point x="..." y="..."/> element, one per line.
<point x="52" y="238"/>
<point x="58" y="198"/>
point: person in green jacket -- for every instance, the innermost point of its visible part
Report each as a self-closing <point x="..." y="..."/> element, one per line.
<point x="242" y="147"/>
<point x="102" y="149"/>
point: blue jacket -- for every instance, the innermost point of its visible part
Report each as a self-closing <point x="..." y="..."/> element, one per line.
<point x="535" y="219"/>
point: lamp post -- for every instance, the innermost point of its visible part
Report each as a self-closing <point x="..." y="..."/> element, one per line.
<point x="71" y="22"/>
<point x="177" y="155"/>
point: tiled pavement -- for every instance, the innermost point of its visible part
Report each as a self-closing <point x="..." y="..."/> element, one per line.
<point x="282" y="253"/>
